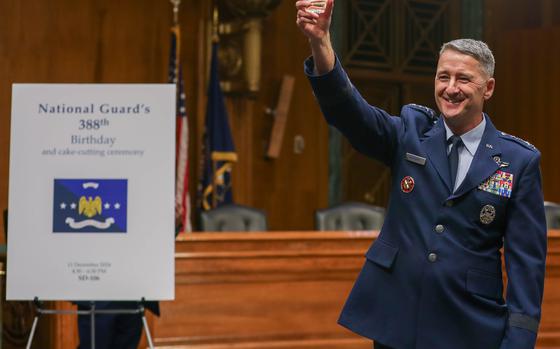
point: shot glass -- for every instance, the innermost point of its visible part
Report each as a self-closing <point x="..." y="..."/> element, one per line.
<point x="317" y="6"/>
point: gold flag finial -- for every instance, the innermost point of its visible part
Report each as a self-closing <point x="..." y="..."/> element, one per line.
<point x="176" y="4"/>
<point x="215" y="24"/>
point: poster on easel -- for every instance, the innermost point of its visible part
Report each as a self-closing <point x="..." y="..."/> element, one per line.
<point x="91" y="192"/>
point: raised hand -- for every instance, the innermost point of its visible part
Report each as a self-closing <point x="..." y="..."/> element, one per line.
<point x="314" y="26"/>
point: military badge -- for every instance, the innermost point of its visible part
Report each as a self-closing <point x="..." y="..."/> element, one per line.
<point x="407" y="184"/>
<point x="500" y="183"/>
<point x="500" y="163"/>
<point x="89" y="206"/>
<point x="503" y="164"/>
<point x="487" y="214"/>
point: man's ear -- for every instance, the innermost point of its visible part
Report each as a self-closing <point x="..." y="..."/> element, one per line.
<point x="490" y="84"/>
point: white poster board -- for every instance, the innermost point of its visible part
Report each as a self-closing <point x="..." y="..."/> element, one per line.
<point x="91" y="197"/>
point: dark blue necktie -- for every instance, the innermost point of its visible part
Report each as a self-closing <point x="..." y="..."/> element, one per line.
<point x="454" y="158"/>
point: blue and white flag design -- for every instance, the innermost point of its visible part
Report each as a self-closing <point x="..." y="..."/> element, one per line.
<point x="90" y="205"/>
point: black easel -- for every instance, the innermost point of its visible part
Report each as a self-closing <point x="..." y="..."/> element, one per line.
<point x="92" y="311"/>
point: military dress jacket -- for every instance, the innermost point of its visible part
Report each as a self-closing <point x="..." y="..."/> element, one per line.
<point x="433" y="277"/>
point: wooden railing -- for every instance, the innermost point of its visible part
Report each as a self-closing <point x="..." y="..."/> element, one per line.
<point x="275" y="290"/>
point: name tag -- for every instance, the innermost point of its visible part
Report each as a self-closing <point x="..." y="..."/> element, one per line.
<point x="416" y="159"/>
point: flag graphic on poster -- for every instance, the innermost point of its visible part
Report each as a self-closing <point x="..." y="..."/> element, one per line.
<point x="219" y="151"/>
<point x="90" y="205"/>
<point x="182" y="197"/>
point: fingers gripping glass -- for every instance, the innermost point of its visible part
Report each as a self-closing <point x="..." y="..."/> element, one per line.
<point x="317" y="6"/>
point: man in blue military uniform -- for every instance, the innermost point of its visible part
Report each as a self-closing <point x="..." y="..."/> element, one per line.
<point x="461" y="191"/>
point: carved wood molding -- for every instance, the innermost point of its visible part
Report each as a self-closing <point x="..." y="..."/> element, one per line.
<point x="397" y="36"/>
<point x="331" y="343"/>
<point x="223" y="301"/>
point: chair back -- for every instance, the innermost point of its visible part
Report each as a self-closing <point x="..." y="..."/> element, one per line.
<point x="5" y="215"/>
<point x="552" y="213"/>
<point x="350" y="216"/>
<point x="233" y="217"/>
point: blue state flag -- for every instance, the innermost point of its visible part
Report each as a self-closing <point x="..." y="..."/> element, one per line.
<point x="90" y="205"/>
<point x="219" y="151"/>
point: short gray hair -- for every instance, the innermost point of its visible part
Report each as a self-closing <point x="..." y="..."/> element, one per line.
<point x="474" y="48"/>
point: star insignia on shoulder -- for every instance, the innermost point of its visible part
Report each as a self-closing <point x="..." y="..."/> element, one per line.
<point x="518" y="140"/>
<point x="429" y="112"/>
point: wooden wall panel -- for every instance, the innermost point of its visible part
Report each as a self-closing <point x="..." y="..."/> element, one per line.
<point x="524" y="35"/>
<point x="281" y="290"/>
<point x="549" y="330"/>
<point x="292" y="186"/>
<point x="526" y="100"/>
<point x="90" y="41"/>
<point x="285" y="290"/>
<point x="127" y="41"/>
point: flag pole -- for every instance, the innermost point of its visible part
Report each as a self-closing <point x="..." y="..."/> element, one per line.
<point x="182" y="199"/>
<point x="215" y="24"/>
<point x="176" y="4"/>
<point x="215" y="39"/>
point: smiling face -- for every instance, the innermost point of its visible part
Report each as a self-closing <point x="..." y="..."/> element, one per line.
<point x="461" y="87"/>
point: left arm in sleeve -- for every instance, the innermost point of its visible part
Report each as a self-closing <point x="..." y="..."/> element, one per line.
<point x="525" y="242"/>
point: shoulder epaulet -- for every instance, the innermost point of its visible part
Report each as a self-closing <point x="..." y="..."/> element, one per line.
<point x="518" y="141"/>
<point x="430" y="113"/>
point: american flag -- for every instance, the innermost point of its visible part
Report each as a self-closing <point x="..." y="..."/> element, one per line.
<point x="182" y="197"/>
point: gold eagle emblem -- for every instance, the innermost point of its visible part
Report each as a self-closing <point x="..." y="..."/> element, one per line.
<point x="89" y="207"/>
